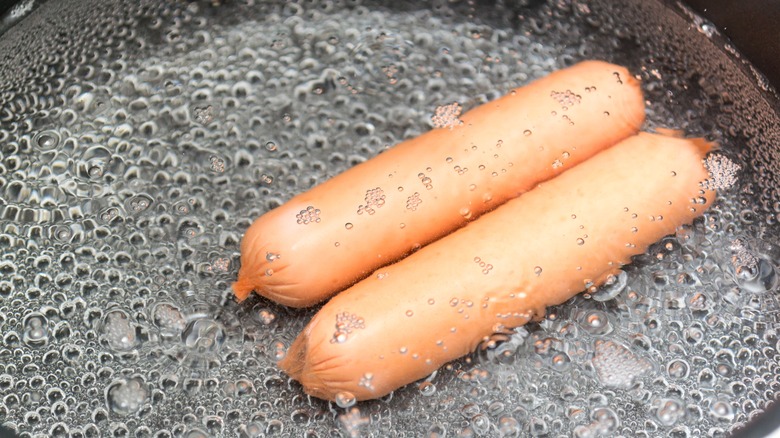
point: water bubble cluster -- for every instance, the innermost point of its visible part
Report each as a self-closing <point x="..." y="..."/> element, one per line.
<point x="413" y="201"/>
<point x="616" y="366"/>
<point x="722" y="172"/>
<point x="375" y="198"/>
<point x="566" y="99"/>
<point x="446" y="116"/>
<point x="346" y="323"/>
<point x="308" y="216"/>
<point x="743" y="260"/>
<point x="140" y="139"/>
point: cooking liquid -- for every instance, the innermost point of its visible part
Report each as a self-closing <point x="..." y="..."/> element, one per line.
<point x="138" y="142"/>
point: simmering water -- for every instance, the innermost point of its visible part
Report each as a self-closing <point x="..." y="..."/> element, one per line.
<point x="138" y="142"/>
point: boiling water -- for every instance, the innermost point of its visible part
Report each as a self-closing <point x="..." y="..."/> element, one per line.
<point x="138" y="142"/>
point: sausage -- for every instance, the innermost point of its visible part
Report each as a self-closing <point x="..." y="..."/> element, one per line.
<point x="327" y="238"/>
<point x="499" y="272"/>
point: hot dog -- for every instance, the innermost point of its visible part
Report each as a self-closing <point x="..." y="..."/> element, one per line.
<point x="499" y="272"/>
<point x="323" y="240"/>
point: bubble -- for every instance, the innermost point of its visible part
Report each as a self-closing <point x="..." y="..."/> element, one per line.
<point x="345" y="399"/>
<point x="425" y="180"/>
<point x="197" y="433"/>
<point x="413" y="201"/>
<point x="352" y="421"/>
<point x="538" y="427"/>
<point x="36" y="330"/>
<point x="693" y="334"/>
<point x="219" y="265"/>
<point x="217" y="164"/>
<point x="263" y="314"/>
<point x="346" y="324"/>
<point x="722" y="410"/>
<point x="118" y="331"/>
<point x="426" y="389"/>
<point x="61" y="233"/>
<point x="754" y="274"/>
<point x="366" y="381"/>
<point x="509" y="427"/>
<point x="168" y="317"/>
<point x="561" y="361"/>
<point x="309" y="215"/>
<point x="204" y="335"/>
<point x="46" y="140"/>
<point x="707" y="378"/>
<point x="138" y="203"/>
<point x="436" y="430"/>
<point x="182" y="208"/>
<point x="203" y="115"/>
<point x="670" y="411"/>
<point x="614" y="285"/>
<point x="538" y="270"/>
<point x="109" y="214"/>
<point x="605" y="420"/>
<point x="126" y="396"/>
<point x="446" y="116"/>
<point x="481" y="424"/>
<point x="595" y="322"/>
<point x="274" y="427"/>
<point x="678" y="369"/>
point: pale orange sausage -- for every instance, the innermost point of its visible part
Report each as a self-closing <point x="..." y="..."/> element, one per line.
<point x="325" y="239"/>
<point x="570" y="233"/>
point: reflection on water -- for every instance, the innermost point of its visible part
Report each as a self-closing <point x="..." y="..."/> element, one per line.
<point x="138" y="142"/>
